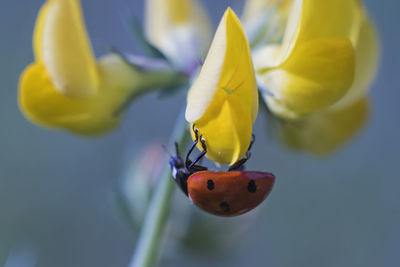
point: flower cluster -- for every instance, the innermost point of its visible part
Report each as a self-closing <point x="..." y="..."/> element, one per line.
<point x="66" y="87"/>
<point x="312" y="62"/>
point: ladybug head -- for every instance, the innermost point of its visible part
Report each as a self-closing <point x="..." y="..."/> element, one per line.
<point x="176" y="161"/>
<point x="179" y="171"/>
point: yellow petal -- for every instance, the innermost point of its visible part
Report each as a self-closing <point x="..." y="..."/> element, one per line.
<point x="227" y="132"/>
<point x="252" y="8"/>
<point x="174" y="26"/>
<point x="61" y="44"/>
<point x="265" y="20"/>
<point x="223" y="101"/>
<point x="43" y="104"/>
<point x="367" y="58"/>
<point x="38" y="32"/>
<point x="317" y="75"/>
<point x="324" y="132"/>
<point x="335" y="20"/>
<point x="314" y="67"/>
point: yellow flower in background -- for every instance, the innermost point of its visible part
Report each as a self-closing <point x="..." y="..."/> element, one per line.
<point x="314" y="66"/>
<point x="366" y="43"/>
<point x="322" y="133"/>
<point x="265" y="20"/>
<point x="61" y="43"/>
<point x="66" y="87"/>
<point x="180" y="29"/>
<point x="223" y="101"/>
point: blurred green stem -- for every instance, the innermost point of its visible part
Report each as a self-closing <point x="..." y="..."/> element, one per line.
<point x="157" y="212"/>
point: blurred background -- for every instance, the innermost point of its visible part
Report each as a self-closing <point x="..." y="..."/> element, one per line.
<point x="57" y="190"/>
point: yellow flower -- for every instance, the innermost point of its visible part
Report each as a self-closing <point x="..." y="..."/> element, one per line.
<point x="366" y="43"/>
<point x="174" y="26"/>
<point x="314" y="66"/>
<point x="66" y="87"/>
<point x="321" y="133"/>
<point x="223" y="101"/>
<point x="265" y="20"/>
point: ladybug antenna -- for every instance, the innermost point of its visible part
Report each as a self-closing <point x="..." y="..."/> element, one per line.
<point x="166" y="149"/>
<point x="177" y="149"/>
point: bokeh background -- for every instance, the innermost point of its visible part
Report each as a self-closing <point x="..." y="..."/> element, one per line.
<point x="57" y="190"/>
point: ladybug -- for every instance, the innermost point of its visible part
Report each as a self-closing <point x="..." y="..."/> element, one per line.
<point x="224" y="193"/>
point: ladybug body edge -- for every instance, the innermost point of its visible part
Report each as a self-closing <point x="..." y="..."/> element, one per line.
<point x="229" y="193"/>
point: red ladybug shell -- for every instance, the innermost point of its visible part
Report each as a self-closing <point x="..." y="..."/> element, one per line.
<point x="229" y="193"/>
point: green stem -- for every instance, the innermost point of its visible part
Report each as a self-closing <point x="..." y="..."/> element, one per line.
<point x="157" y="212"/>
<point x="156" y="80"/>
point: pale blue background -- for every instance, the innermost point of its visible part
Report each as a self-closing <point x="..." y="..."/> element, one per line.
<point x="56" y="205"/>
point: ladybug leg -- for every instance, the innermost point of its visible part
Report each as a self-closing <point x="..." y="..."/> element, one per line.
<point x="239" y="165"/>
<point x="196" y="134"/>
<point x="197" y="168"/>
<point x="202" y="154"/>
<point x="253" y="139"/>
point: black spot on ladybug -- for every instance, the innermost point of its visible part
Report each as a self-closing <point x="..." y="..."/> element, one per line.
<point x="224" y="206"/>
<point x="210" y="185"/>
<point x="252" y="187"/>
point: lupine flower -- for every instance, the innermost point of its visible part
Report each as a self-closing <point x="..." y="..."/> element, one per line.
<point x="223" y="101"/>
<point x="180" y="29"/>
<point x="323" y="132"/>
<point x="314" y="66"/>
<point x="66" y="87"/>
<point x="265" y="20"/>
<point x="366" y="43"/>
